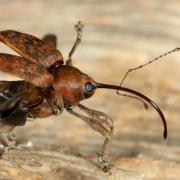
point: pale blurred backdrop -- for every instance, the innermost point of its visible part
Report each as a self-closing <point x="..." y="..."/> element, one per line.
<point x="118" y="35"/>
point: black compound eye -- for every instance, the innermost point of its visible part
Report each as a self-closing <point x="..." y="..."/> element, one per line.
<point x="89" y="87"/>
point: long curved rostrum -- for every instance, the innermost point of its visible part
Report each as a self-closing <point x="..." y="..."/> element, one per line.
<point x="152" y="103"/>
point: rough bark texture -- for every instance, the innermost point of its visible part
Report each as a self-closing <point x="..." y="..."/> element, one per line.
<point x="118" y="35"/>
<point x="34" y="164"/>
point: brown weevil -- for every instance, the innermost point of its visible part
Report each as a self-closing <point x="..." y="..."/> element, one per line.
<point x="49" y="86"/>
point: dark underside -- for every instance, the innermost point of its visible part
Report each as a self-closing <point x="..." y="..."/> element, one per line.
<point x="13" y="111"/>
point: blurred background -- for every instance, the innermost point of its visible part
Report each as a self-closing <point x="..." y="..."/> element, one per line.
<point x="118" y="35"/>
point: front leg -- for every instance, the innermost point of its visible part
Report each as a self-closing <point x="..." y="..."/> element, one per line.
<point x="102" y="123"/>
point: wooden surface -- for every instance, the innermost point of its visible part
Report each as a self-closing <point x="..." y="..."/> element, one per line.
<point x="118" y="35"/>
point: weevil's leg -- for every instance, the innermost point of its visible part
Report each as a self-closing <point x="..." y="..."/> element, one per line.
<point x="79" y="29"/>
<point x="102" y="123"/>
<point x="12" y="136"/>
<point x="51" y="40"/>
<point x="133" y="97"/>
<point x="97" y="115"/>
<point x="6" y="137"/>
<point x="107" y="123"/>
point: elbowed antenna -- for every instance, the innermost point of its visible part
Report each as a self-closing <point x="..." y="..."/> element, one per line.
<point x="152" y="103"/>
<point x="149" y="62"/>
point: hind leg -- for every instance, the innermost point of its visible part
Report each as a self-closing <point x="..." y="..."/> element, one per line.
<point x="7" y="138"/>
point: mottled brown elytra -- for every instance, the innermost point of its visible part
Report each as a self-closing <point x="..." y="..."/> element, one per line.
<point x="49" y="86"/>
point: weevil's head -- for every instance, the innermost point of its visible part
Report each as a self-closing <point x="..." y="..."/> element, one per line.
<point x="72" y="84"/>
<point x="75" y="86"/>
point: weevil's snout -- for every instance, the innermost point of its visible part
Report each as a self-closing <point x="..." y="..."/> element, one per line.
<point x="138" y="94"/>
<point x="72" y="84"/>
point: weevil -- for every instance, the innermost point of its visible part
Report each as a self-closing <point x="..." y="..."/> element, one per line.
<point x="51" y="85"/>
